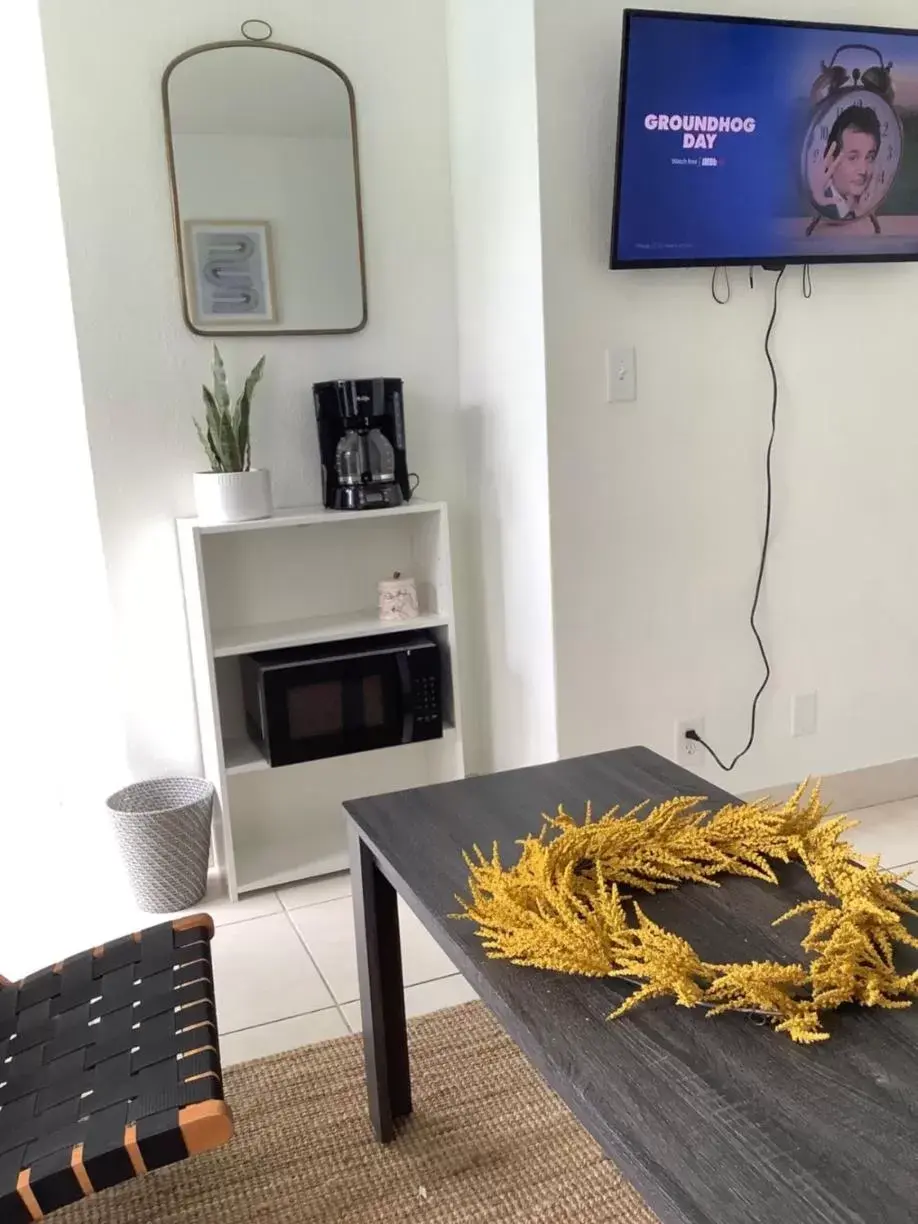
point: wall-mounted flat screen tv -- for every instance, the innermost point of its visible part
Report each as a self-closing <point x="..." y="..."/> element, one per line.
<point x="746" y="141"/>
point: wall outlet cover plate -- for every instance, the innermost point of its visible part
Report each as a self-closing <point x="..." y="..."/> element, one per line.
<point x="687" y="752"/>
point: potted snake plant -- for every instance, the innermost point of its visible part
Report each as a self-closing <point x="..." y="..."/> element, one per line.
<point x="232" y="490"/>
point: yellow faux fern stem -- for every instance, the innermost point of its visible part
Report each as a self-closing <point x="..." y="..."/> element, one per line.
<point x="566" y="905"/>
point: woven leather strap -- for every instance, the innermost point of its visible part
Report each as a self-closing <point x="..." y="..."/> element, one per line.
<point x="109" y="1067"/>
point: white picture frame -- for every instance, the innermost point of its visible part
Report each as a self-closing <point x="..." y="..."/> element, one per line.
<point x="239" y="252"/>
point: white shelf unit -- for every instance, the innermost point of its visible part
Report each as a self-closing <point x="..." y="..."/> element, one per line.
<point x="305" y="577"/>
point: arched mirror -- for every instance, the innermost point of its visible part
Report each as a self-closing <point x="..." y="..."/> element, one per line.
<point x="263" y="162"/>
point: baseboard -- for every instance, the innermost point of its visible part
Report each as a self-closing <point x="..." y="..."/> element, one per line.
<point x="860" y="788"/>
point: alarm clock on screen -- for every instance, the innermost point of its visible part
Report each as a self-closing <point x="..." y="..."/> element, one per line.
<point x="853" y="145"/>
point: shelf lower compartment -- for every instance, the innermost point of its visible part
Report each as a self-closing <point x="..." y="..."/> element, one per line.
<point x="312" y="854"/>
<point x="242" y="756"/>
<point x="289" y="824"/>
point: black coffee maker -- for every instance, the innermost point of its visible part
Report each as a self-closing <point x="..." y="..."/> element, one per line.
<point x="362" y="443"/>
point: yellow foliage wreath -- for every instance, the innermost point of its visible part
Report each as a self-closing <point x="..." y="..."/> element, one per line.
<point x="561" y="907"/>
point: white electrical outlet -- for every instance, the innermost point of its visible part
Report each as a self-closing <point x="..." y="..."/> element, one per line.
<point x="804" y="714"/>
<point x="688" y="752"/>
<point x="621" y="375"/>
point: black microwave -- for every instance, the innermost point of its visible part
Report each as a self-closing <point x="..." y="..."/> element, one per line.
<point x="322" y="701"/>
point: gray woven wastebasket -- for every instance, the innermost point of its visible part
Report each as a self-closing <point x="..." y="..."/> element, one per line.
<point x="163" y="832"/>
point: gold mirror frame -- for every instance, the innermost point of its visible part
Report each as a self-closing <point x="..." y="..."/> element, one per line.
<point x="260" y="44"/>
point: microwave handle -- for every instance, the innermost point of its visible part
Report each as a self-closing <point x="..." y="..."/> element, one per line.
<point x="407" y="687"/>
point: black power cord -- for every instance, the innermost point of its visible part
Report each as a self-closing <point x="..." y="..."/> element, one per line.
<point x="721" y="298"/>
<point x="769" y="505"/>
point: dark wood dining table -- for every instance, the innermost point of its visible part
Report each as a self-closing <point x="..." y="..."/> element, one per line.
<point x="714" y="1121"/>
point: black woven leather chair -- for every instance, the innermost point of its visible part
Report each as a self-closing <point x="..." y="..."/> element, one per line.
<point x="109" y="1067"/>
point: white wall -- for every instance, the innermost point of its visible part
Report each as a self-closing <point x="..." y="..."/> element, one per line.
<point x="502" y="366"/>
<point x="657" y="507"/>
<point x="303" y="186"/>
<point x="142" y="369"/>
<point x="62" y="748"/>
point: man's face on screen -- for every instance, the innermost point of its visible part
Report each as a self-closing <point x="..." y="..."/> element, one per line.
<point x="856" y="165"/>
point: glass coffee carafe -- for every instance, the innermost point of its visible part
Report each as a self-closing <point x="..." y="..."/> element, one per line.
<point x="365" y="457"/>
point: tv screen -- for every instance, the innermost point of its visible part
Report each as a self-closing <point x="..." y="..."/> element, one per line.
<point x="746" y="141"/>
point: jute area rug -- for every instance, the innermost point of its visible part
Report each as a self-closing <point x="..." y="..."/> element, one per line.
<point x="487" y="1142"/>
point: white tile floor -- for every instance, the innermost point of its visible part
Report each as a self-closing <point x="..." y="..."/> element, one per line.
<point x="309" y="992"/>
<point x="285" y="959"/>
<point x="288" y="978"/>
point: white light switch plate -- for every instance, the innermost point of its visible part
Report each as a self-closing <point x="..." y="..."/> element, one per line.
<point x="621" y="375"/>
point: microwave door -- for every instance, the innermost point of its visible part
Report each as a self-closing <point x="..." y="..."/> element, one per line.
<point x="323" y="710"/>
<point x="378" y="701"/>
<point x="406" y="697"/>
<point x="306" y="714"/>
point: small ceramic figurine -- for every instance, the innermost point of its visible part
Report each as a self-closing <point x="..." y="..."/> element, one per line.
<point x="398" y="599"/>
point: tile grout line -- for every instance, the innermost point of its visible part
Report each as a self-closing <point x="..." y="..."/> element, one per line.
<point x="255" y="917"/>
<point x="315" y="965"/>
<point x="336" y="1006"/>
<point x="250" y="1028"/>
<point x="295" y="909"/>
<point x="446" y="977"/>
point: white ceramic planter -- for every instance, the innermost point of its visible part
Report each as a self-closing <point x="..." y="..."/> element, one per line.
<point x="233" y="497"/>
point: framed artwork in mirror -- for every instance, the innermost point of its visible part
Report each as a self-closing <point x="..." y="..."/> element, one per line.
<point x="258" y="129"/>
<point x="229" y="272"/>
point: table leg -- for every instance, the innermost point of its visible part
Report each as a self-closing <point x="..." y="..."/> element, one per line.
<point x="382" y="999"/>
